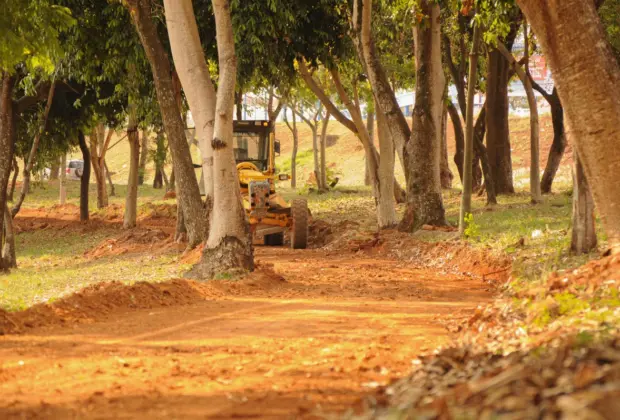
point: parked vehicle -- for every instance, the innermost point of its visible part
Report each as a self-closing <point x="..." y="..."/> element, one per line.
<point x="75" y="169"/>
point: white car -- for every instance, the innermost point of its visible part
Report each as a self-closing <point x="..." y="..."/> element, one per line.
<point x="75" y="169"/>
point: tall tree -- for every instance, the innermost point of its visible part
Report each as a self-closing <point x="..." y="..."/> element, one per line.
<point x="188" y="192"/>
<point x="587" y="77"/>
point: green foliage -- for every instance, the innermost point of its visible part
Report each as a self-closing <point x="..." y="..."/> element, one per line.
<point x="30" y="34"/>
<point x="472" y="230"/>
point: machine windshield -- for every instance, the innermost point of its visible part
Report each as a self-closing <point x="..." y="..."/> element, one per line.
<point x="251" y="147"/>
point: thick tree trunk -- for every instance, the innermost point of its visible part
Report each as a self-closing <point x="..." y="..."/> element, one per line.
<point x="195" y="78"/>
<point x="584" y="228"/>
<point x="109" y="177"/>
<point x="459" y="138"/>
<point x="172" y="185"/>
<point x="188" y="193"/>
<point x="63" y="180"/>
<point x="96" y="144"/>
<point x="131" y="199"/>
<point x="587" y="77"/>
<point x="33" y="151"/>
<point x="386" y="212"/>
<point x="85" y="179"/>
<point x="323" y="147"/>
<point x="229" y="246"/>
<point x="446" y="174"/>
<point x="423" y="150"/>
<point x="8" y="249"/>
<point x="14" y="179"/>
<point x="7" y="137"/>
<point x="556" y="152"/>
<point x="144" y="154"/>
<point x="158" y="179"/>
<point x="498" y="135"/>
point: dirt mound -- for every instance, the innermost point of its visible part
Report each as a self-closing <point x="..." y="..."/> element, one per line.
<point x="132" y="241"/>
<point x="97" y="302"/>
<point x="192" y="256"/>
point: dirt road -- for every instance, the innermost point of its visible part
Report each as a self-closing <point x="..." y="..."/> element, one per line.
<point x="311" y="333"/>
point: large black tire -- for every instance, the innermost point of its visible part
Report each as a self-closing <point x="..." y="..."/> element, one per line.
<point x="79" y="172"/>
<point x="299" y="228"/>
<point x="275" y="239"/>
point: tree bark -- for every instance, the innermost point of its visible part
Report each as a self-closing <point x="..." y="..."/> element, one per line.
<point x="159" y="160"/>
<point x="558" y="146"/>
<point x="7" y="137"/>
<point x="98" y="144"/>
<point x="85" y="179"/>
<point x="14" y="180"/>
<point x="386" y="212"/>
<point x="481" y="152"/>
<point x="323" y="147"/>
<point x="446" y="174"/>
<point x="295" y="134"/>
<point x="33" y="151"/>
<point x="459" y="138"/>
<point x="109" y="177"/>
<point x="587" y="77"/>
<point x="54" y="170"/>
<point x="469" y="132"/>
<point x="188" y="193"/>
<point x="370" y="126"/>
<point x="8" y="249"/>
<point x="423" y="149"/>
<point x="239" y="105"/>
<point x="144" y="153"/>
<point x="229" y="246"/>
<point x="583" y="239"/>
<point x="131" y="199"/>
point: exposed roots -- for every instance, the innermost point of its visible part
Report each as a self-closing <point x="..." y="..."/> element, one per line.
<point x="230" y="259"/>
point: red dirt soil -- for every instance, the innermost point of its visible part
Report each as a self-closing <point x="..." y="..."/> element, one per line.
<point x="308" y="332"/>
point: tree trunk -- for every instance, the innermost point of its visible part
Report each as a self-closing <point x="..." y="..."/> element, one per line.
<point x="8" y="249"/>
<point x="109" y="177"/>
<point x="423" y="150"/>
<point x="498" y="135"/>
<point x="7" y="137"/>
<point x="481" y="152"/>
<point x="295" y="134"/>
<point x="239" y="105"/>
<point x="323" y="147"/>
<point x="229" y="247"/>
<point x="386" y="212"/>
<point x="469" y="132"/>
<point x="159" y="159"/>
<point x="144" y="153"/>
<point x="54" y="170"/>
<point x="96" y="150"/>
<point x="587" y="77"/>
<point x="63" y="180"/>
<point x="195" y="78"/>
<point x="559" y="142"/>
<point x="459" y="138"/>
<point x="446" y="174"/>
<point x="188" y="193"/>
<point x="14" y="180"/>
<point x="385" y="99"/>
<point x="33" y="151"/>
<point x="370" y="126"/>
<point x="172" y="186"/>
<point x="85" y="179"/>
<point x="131" y="200"/>
<point x="584" y="228"/>
<point x="315" y="154"/>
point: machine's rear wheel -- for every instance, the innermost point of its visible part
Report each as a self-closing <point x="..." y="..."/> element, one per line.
<point x="275" y="239"/>
<point x="299" y="230"/>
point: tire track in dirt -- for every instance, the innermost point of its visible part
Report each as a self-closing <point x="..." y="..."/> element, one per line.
<point x="309" y="332"/>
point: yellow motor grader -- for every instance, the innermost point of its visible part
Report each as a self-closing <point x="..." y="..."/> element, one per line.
<point x="269" y="215"/>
